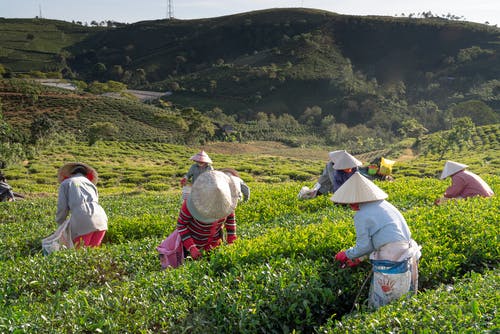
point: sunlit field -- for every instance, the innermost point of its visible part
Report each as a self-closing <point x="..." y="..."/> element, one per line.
<point x="278" y="277"/>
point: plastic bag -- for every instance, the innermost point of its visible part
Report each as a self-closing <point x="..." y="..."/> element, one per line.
<point x="186" y="190"/>
<point x="171" y="251"/>
<point x="372" y="169"/>
<point x="58" y="240"/>
<point x="306" y="193"/>
<point x="386" y="166"/>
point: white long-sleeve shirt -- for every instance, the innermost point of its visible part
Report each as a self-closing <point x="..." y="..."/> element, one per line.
<point x="377" y="224"/>
<point x="78" y="196"/>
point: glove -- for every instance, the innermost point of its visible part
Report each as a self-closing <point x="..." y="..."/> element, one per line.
<point x="231" y="238"/>
<point x="341" y="257"/>
<point x="353" y="263"/>
<point x="195" y="253"/>
<point x="183" y="181"/>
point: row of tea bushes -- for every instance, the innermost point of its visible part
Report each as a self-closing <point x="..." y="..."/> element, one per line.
<point x="278" y="277"/>
<point x="470" y="305"/>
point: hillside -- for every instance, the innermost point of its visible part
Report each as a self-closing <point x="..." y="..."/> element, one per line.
<point x="360" y="70"/>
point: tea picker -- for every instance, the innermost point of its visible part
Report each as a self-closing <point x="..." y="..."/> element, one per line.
<point x="202" y="164"/>
<point x="206" y="219"/>
<point x="6" y="193"/>
<point x="383" y="236"/>
<point x="338" y="169"/>
<point x="464" y="184"/>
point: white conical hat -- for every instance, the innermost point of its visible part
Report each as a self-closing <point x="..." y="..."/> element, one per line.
<point x="202" y="156"/>
<point x="358" y="189"/>
<point x="344" y="160"/>
<point x="214" y="195"/>
<point x="333" y="155"/>
<point x="451" y="167"/>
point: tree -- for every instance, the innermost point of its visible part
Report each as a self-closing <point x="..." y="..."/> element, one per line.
<point x="311" y="116"/>
<point x="457" y="137"/>
<point x="200" y="127"/>
<point x="479" y="112"/>
<point x="99" y="69"/>
<point x="412" y="128"/>
<point x="179" y="60"/>
<point x="285" y="122"/>
<point x="41" y="126"/>
<point x="100" y="131"/>
<point x="5" y="129"/>
<point x="117" y="72"/>
<point x="327" y="121"/>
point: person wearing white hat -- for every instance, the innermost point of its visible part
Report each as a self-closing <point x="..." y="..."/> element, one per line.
<point x="345" y="166"/>
<point x="244" y="188"/>
<point x="382" y="234"/>
<point x="208" y="209"/>
<point x="463" y="183"/>
<point x="325" y="181"/>
<point x="202" y="164"/>
<point x="78" y="196"/>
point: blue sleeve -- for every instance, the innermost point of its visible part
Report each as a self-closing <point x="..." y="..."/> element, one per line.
<point x="364" y="245"/>
<point x="190" y="172"/>
<point x="245" y="190"/>
<point x="338" y="180"/>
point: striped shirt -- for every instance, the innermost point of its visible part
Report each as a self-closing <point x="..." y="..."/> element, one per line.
<point x="204" y="235"/>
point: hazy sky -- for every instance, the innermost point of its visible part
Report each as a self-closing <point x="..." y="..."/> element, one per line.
<point x="130" y="11"/>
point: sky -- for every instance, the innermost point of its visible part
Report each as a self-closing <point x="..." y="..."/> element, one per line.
<point x="130" y="11"/>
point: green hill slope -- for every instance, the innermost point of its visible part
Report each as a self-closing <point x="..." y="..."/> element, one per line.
<point x="38" y="44"/>
<point x="276" y="61"/>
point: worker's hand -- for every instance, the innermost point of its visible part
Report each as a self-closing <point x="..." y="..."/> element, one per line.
<point x="353" y="263"/>
<point x="439" y="201"/>
<point x="341" y="257"/>
<point x="231" y="238"/>
<point x="183" y="181"/>
<point x="195" y="253"/>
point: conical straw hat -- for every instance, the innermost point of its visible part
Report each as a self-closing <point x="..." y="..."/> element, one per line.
<point x="344" y="160"/>
<point x="213" y="196"/>
<point x="358" y="189"/>
<point x="66" y="170"/>
<point x="451" y="167"/>
<point x="335" y="154"/>
<point x="201" y="157"/>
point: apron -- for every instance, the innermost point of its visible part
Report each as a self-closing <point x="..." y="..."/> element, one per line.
<point x="395" y="272"/>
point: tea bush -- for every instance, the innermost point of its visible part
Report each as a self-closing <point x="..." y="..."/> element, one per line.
<point x="468" y="306"/>
<point x="278" y="277"/>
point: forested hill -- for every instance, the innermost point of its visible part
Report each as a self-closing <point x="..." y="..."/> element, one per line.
<point x="322" y="68"/>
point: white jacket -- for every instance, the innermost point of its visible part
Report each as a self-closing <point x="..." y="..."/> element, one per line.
<point x="78" y="196"/>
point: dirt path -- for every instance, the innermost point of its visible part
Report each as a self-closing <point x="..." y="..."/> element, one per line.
<point x="267" y="148"/>
<point x="407" y="154"/>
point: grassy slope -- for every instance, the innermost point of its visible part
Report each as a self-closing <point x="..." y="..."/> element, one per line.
<point x="288" y="58"/>
<point x="76" y="112"/>
<point x="33" y="44"/>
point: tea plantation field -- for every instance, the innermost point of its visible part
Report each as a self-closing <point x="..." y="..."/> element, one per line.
<point x="278" y="277"/>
